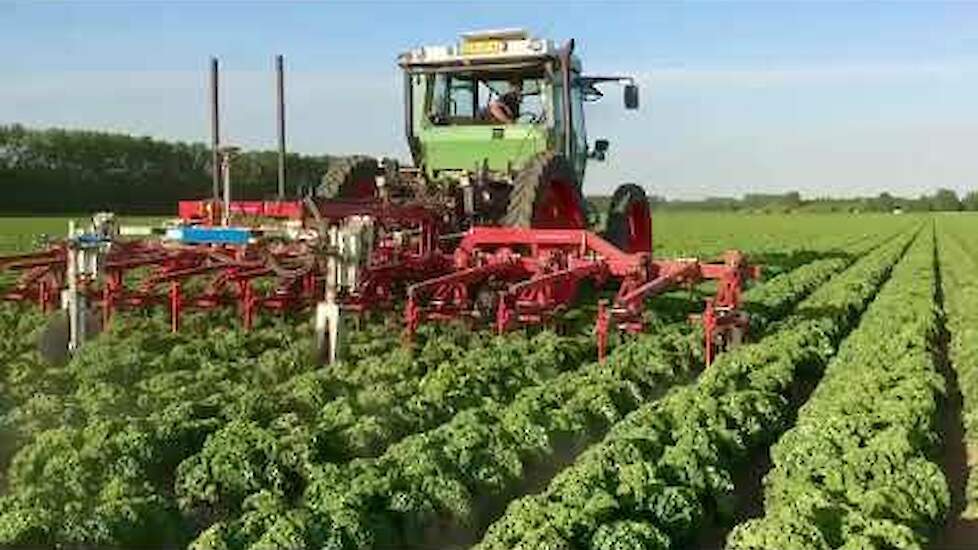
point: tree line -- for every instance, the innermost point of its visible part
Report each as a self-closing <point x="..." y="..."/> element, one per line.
<point x="57" y="171"/>
<point x="942" y="200"/>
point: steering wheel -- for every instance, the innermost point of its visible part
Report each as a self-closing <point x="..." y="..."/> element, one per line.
<point x="438" y="119"/>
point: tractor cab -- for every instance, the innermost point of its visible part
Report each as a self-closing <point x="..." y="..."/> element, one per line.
<point x="488" y="107"/>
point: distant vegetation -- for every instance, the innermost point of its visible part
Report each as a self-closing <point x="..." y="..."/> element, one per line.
<point x="943" y="200"/>
<point x="56" y="171"/>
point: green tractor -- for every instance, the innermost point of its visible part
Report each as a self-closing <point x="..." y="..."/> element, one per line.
<point x="495" y="125"/>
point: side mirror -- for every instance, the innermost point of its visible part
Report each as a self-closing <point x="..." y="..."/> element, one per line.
<point x="600" y="149"/>
<point x="631" y="96"/>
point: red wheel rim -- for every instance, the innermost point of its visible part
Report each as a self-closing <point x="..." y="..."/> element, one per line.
<point x="559" y="207"/>
<point x="361" y="189"/>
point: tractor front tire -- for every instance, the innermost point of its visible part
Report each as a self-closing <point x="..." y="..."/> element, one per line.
<point x="545" y="195"/>
<point x="350" y="178"/>
<point x="629" y="223"/>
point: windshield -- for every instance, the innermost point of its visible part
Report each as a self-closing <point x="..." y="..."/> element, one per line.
<point x="467" y="98"/>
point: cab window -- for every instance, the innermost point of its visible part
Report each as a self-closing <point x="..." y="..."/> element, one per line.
<point x="463" y="98"/>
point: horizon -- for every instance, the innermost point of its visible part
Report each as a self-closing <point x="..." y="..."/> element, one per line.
<point x="839" y="100"/>
<point x="803" y="195"/>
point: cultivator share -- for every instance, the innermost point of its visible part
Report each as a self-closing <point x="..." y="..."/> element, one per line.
<point x="488" y="225"/>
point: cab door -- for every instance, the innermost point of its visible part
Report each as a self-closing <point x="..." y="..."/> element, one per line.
<point x="579" y="133"/>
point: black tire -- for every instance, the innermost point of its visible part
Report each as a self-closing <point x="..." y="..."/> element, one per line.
<point x="618" y="230"/>
<point x="532" y="185"/>
<point x="52" y="342"/>
<point x="341" y="178"/>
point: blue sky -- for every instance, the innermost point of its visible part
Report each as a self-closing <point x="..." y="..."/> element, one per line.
<point x="826" y="98"/>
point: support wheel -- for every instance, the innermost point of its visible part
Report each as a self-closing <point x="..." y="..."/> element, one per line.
<point x="52" y="342"/>
<point x="546" y="196"/>
<point x="350" y="178"/>
<point x="629" y="225"/>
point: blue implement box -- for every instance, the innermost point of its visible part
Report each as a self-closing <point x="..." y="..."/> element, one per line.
<point x="209" y="235"/>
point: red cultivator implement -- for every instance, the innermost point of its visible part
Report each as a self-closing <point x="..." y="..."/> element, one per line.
<point x="364" y="256"/>
<point x="360" y="254"/>
<point x="527" y="276"/>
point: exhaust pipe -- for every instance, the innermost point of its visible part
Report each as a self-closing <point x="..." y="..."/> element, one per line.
<point x="280" y="73"/>
<point x="215" y="132"/>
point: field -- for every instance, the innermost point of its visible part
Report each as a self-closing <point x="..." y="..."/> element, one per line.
<point x="849" y="420"/>
<point x="24" y="232"/>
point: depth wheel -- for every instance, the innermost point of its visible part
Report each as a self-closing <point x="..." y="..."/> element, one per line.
<point x="629" y="225"/>
<point x="52" y="342"/>
<point x="546" y="196"/>
<point x="350" y="178"/>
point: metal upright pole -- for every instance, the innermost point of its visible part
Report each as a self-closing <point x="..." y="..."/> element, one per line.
<point x="280" y="71"/>
<point x="76" y="307"/>
<point x="215" y="133"/>
<point x="226" y="176"/>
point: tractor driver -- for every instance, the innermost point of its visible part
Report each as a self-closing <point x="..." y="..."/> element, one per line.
<point x="505" y="108"/>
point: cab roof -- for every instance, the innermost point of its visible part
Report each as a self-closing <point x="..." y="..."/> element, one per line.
<point x="491" y="46"/>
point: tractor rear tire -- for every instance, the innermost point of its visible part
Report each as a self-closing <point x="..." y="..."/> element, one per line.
<point x="629" y="224"/>
<point x="545" y="195"/>
<point x="350" y="178"/>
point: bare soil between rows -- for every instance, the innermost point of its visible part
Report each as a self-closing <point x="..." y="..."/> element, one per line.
<point x="749" y="482"/>
<point x="958" y="532"/>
